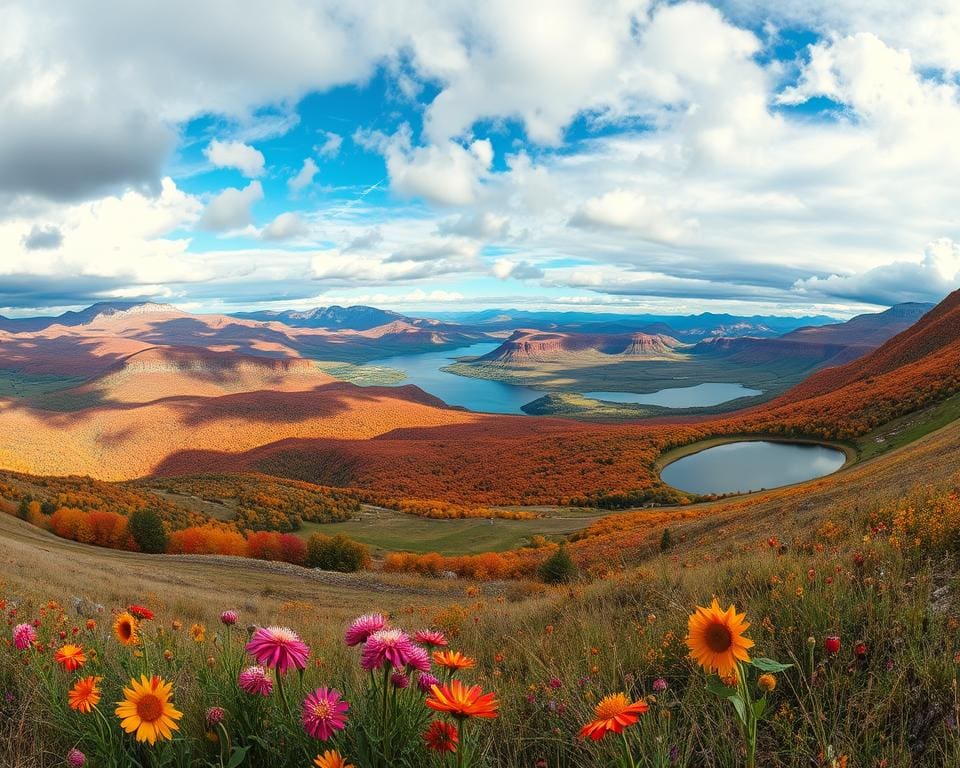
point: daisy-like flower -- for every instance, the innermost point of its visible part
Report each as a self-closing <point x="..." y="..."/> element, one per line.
<point x="441" y="737"/>
<point x="198" y="632"/>
<point x="331" y="759"/>
<point x="453" y="660"/>
<point x="388" y="646"/>
<point x="364" y="626"/>
<point x="70" y="657"/>
<point x="323" y="713"/>
<point x="426" y="681"/>
<point x="141" y="612"/>
<point x="229" y="618"/>
<point x="23" y="636"/>
<point x="76" y="758"/>
<point x="255" y="681"/>
<point x="85" y="694"/>
<point x="146" y="710"/>
<point x="613" y="714"/>
<point x="126" y="629"/>
<point x="418" y="659"/>
<point x="431" y="638"/>
<point x="278" y="648"/>
<point x="715" y="638"/>
<point x="462" y="702"/>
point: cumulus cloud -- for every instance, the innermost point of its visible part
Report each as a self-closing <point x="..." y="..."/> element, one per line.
<point x="484" y="225"/>
<point x="235" y="154"/>
<point x="330" y="146"/>
<point x="449" y="174"/>
<point x="286" y="226"/>
<point x="518" y="270"/>
<point x="42" y="238"/>
<point x="624" y="209"/>
<point x="304" y="177"/>
<point x="230" y="210"/>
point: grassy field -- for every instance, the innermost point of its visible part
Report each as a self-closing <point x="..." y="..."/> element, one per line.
<point x="363" y="375"/>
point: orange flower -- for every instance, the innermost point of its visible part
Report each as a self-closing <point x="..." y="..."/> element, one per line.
<point x="462" y="702"/>
<point x="125" y="629"/>
<point x="331" y="759"/>
<point x="85" y="694"/>
<point x="453" y="660"/>
<point x="612" y="714"/>
<point x="441" y="737"/>
<point x="198" y="632"/>
<point x="70" y="657"/>
<point x="715" y="638"/>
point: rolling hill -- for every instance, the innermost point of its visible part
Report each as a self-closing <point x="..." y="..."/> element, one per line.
<point x="526" y="346"/>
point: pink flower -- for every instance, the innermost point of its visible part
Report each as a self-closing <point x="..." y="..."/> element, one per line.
<point x="555" y="683"/>
<point x="399" y="680"/>
<point x="278" y="648"/>
<point x="323" y="713"/>
<point x="431" y="638"/>
<point x="390" y="646"/>
<point x="23" y="636"/>
<point x="76" y="758"/>
<point x="215" y="715"/>
<point x="254" y="681"/>
<point x="418" y="658"/>
<point x="229" y="618"/>
<point x="426" y="681"/>
<point x="363" y="627"/>
<point x="659" y="685"/>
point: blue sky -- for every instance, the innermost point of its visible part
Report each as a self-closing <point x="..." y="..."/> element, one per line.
<point x="627" y="155"/>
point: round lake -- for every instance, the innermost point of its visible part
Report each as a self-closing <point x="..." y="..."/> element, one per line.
<point x="750" y="466"/>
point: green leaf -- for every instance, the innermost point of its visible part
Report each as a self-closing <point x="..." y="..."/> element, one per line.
<point x="759" y="707"/>
<point x="769" y="665"/>
<point x="716" y="687"/>
<point x="740" y="707"/>
<point x="238" y="755"/>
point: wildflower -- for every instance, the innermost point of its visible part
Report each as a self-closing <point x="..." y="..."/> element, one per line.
<point x="716" y="640"/>
<point x="731" y="680"/>
<point x="177" y="625"/>
<point x="431" y="638"/>
<point x="125" y="629"/>
<point x="84" y="695"/>
<point x="254" y="680"/>
<point x="860" y="650"/>
<point x="70" y="657"/>
<point x="364" y="626"/>
<point x="140" y="612"/>
<point x="278" y="648"/>
<point x="168" y="654"/>
<point x="215" y="716"/>
<point x="554" y="683"/>
<point x="832" y="644"/>
<point x="426" y="681"/>
<point x="147" y="711"/>
<point x="331" y="759"/>
<point x="766" y="682"/>
<point x="323" y="713"/>
<point x="229" y="618"/>
<point x="462" y="702"/>
<point x="198" y="632"/>
<point x="23" y="636"/>
<point x="418" y="659"/>
<point x="613" y="714"/>
<point x="659" y="685"/>
<point x="91" y="625"/>
<point x="453" y="660"/>
<point x="441" y="737"/>
<point x="386" y="646"/>
<point x="76" y="758"/>
<point x="399" y="680"/>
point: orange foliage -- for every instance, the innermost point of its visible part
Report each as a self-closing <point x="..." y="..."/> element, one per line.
<point x="104" y="529"/>
<point x="209" y="539"/>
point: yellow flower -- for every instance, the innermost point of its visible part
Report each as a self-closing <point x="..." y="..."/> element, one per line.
<point x="146" y="710"/>
<point x="198" y="632"/>
<point x="715" y="638"/>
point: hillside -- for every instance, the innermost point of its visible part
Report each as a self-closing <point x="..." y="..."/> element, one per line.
<point x="526" y="346"/>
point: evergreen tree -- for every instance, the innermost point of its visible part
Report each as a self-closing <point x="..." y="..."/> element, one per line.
<point x="559" y="568"/>
<point x="147" y="530"/>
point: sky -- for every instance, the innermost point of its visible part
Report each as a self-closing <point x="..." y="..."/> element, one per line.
<point x="793" y="158"/>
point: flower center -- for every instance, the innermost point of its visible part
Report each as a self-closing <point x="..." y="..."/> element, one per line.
<point x="611" y="706"/>
<point x="322" y="710"/>
<point x="149" y="708"/>
<point x="125" y="630"/>
<point x="718" y="638"/>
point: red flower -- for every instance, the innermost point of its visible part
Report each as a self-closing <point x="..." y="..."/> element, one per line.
<point x="141" y="612"/>
<point x="441" y="737"/>
<point x="860" y="650"/>
<point x="832" y="644"/>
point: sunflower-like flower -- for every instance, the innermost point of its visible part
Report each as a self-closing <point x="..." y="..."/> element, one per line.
<point x="331" y="759"/>
<point x="462" y="702"/>
<point x="613" y="714"/>
<point x="453" y="660"/>
<point x="126" y="628"/>
<point x="70" y="657"/>
<point x="85" y="694"/>
<point x="146" y="710"/>
<point x="715" y="638"/>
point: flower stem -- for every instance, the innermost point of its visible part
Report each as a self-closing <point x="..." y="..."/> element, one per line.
<point x="626" y="750"/>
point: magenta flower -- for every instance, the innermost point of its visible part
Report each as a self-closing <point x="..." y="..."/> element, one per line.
<point x="76" y="758"/>
<point x="399" y="680"/>
<point x="426" y="681"/>
<point x="418" y="658"/>
<point x="323" y="713"/>
<point x="431" y="638"/>
<point x="229" y="618"/>
<point x="388" y="646"/>
<point x="659" y="685"/>
<point x="23" y="636"/>
<point x="254" y="680"/>
<point x="278" y="648"/>
<point x="363" y="627"/>
<point x="215" y="716"/>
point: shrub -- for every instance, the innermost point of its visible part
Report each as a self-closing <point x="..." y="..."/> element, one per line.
<point x="559" y="568"/>
<point x="336" y="553"/>
<point x="147" y="530"/>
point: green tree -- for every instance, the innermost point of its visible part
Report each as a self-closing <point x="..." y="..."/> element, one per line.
<point x="666" y="540"/>
<point x="559" y="568"/>
<point x="147" y="530"/>
<point x="336" y="553"/>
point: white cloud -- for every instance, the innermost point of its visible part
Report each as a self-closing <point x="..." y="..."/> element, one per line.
<point x="230" y="210"/>
<point x="235" y="154"/>
<point x="504" y="268"/>
<point x="330" y="146"/>
<point x="624" y="209"/>
<point x="447" y="175"/>
<point x="304" y="177"/>
<point x="286" y="226"/>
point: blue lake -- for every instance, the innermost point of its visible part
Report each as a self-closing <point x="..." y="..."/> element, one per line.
<point x="699" y="396"/>
<point x="750" y="466"/>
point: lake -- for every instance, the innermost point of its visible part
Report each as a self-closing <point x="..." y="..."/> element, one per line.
<point x="425" y="369"/>
<point x="700" y="396"/>
<point x="750" y="466"/>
